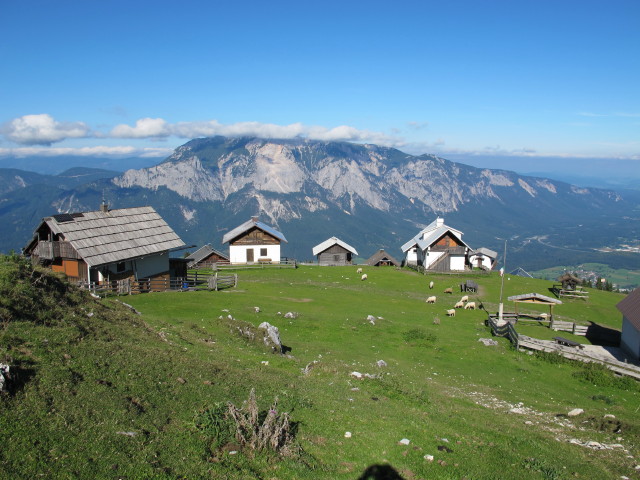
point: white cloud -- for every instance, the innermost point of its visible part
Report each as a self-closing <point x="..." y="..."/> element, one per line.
<point x="144" y="128"/>
<point x="42" y="129"/>
<point x="159" y="128"/>
<point x="86" y="151"/>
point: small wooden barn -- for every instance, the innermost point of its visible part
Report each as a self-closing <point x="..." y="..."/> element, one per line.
<point x="382" y="259"/>
<point x="334" y="252"/>
<point x="206" y="256"/>
<point x="106" y="245"/>
<point x="630" y="337"/>
<point x="254" y="242"/>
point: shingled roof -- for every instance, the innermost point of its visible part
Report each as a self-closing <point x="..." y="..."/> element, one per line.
<point x="249" y="224"/>
<point x="321" y="247"/>
<point x="102" y="237"/>
<point x="629" y="306"/>
<point x="202" y="253"/>
<point x="381" y="255"/>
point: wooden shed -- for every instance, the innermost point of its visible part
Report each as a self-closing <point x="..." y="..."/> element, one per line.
<point x="334" y="252"/>
<point x="630" y="337"/>
<point x="206" y="256"/>
<point x="382" y="259"/>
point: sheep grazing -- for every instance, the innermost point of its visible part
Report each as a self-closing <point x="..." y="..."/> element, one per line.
<point x="465" y="298"/>
<point x="364" y="277"/>
<point x="448" y="290"/>
<point x="451" y="312"/>
<point x="431" y="285"/>
<point x="459" y="305"/>
<point x="431" y="300"/>
<point x="359" y="271"/>
<point x="470" y="306"/>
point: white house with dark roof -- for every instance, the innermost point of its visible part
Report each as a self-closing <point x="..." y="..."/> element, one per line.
<point x="437" y="247"/>
<point x="334" y="252"/>
<point x="254" y="242"/>
<point x="105" y="244"/>
<point x="629" y="306"/>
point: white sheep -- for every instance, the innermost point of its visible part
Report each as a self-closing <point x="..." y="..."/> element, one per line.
<point x="364" y="277"/>
<point x="465" y="298"/>
<point x="459" y="305"/>
<point x="448" y="290"/>
<point x="451" y="312"/>
<point x="431" y="300"/>
<point x="359" y="271"/>
<point x="431" y="285"/>
<point x="470" y="306"/>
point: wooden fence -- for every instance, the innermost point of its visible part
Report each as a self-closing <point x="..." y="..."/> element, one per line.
<point x="284" y="263"/>
<point x="217" y="281"/>
<point x="193" y="281"/>
<point x="572" y="327"/>
<point x="505" y="330"/>
<point x="522" y="341"/>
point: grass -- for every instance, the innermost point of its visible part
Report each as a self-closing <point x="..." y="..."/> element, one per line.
<point x="116" y="395"/>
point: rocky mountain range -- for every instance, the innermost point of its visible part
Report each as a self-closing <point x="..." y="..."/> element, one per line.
<point x="370" y="196"/>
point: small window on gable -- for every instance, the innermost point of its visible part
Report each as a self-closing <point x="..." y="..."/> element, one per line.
<point x="120" y="266"/>
<point x="263" y="252"/>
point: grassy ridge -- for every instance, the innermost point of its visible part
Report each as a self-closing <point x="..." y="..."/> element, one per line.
<point x="107" y="394"/>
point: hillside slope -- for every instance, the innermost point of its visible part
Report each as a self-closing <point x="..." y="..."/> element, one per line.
<point x="99" y="392"/>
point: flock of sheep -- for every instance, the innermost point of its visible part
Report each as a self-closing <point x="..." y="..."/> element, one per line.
<point x="462" y="303"/>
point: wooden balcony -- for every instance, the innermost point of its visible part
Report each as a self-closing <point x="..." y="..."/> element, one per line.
<point x="52" y="250"/>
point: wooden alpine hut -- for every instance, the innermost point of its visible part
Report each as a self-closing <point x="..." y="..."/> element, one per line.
<point x="206" y="256"/>
<point x="106" y="245"/>
<point x="629" y="306"/>
<point x="254" y="242"/>
<point x="382" y="259"/>
<point x="334" y="252"/>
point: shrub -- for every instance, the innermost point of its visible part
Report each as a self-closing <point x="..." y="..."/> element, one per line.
<point x="251" y="428"/>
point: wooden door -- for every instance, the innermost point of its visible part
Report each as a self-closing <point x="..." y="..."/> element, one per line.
<point x="249" y="255"/>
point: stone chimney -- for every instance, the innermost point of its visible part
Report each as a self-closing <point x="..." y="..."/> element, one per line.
<point x="254" y="219"/>
<point x="104" y="207"/>
<point x="439" y="221"/>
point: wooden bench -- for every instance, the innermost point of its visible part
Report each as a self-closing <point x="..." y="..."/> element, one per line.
<point x="567" y="342"/>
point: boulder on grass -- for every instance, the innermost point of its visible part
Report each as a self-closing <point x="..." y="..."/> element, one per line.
<point x="271" y="336"/>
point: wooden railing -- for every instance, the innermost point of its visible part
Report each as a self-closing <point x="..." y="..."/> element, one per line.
<point x="197" y="281"/>
<point x="284" y="263"/>
<point x="50" y="250"/>
<point x="505" y="330"/>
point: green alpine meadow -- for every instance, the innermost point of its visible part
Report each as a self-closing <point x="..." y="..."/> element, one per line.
<point x="371" y="381"/>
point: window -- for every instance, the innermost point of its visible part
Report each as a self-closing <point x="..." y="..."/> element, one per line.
<point x="263" y="252"/>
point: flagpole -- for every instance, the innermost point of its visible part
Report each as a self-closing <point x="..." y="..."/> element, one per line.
<point x="502" y="272"/>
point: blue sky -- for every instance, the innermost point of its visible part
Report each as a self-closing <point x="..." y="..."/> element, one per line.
<point x="518" y="80"/>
